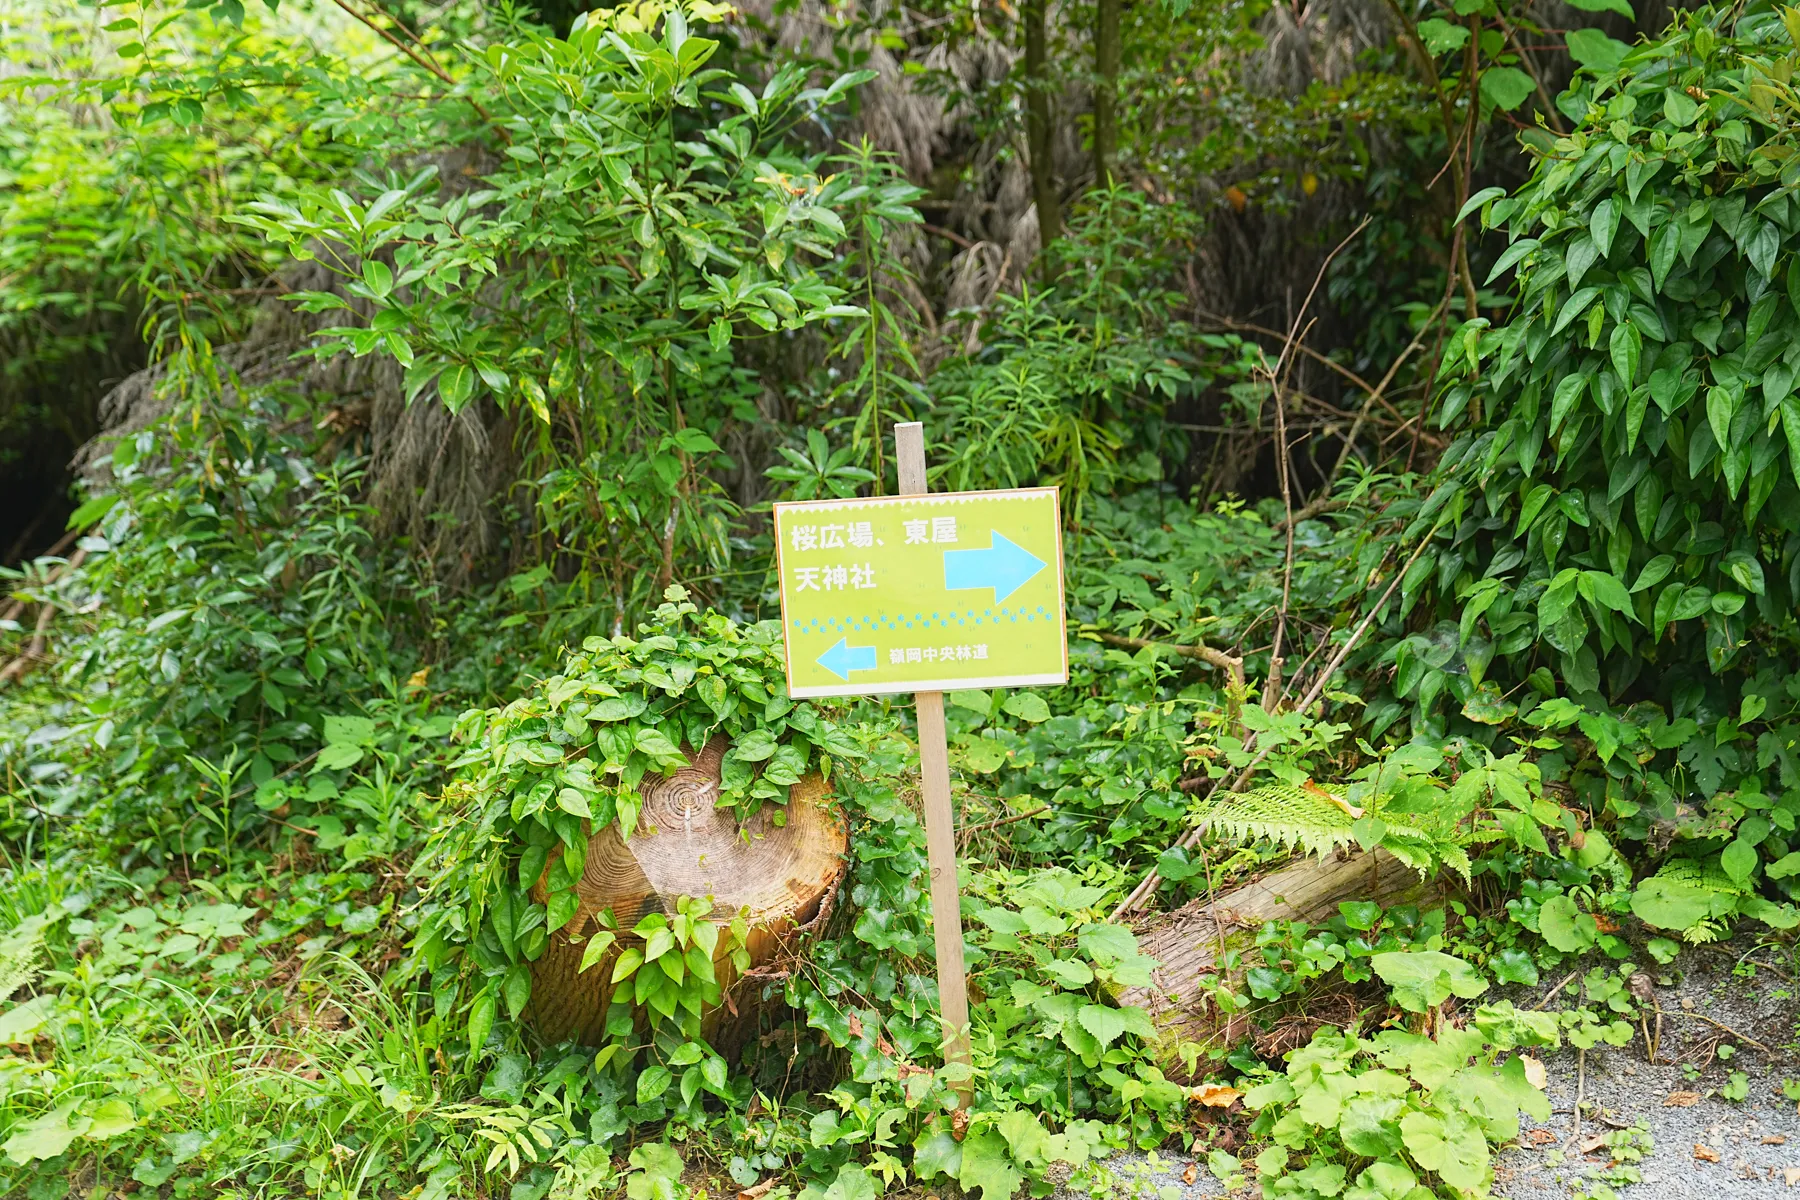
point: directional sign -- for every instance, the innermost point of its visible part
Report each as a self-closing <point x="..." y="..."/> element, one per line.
<point x="922" y="593"/>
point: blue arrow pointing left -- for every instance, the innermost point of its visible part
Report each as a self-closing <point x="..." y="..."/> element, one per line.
<point x="844" y="658"/>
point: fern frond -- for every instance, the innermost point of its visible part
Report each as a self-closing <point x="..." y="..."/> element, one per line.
<point x="19" y="955"/>
<point x="1309" y="819"/>
<point x="1414" y="852"/>
<point x="1710" y="876"/>
<point x="1283" y="814"/>
<point x="1704" y="931"/>
<point x="1457" y="859"/>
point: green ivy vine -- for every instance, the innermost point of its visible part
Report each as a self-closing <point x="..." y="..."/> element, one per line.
<point x="541" y="775"/>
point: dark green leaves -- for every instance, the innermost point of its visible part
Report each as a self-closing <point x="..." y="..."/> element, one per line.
<point x="1505" y="87"/>
<point x="1644" y="388"/>
<point x="1622" y="7"/>
<point x="1625" y="347"/>
<point x="1593" y="49"/>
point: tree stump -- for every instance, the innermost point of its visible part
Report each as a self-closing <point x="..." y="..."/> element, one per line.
<point x="1189" y="941"/>
<point x="685" y="845"/>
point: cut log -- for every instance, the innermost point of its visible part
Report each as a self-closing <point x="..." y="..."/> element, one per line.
<point x="1189" y="941"/>
<point x="781" y="876"/>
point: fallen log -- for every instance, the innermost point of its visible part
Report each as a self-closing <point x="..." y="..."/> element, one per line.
<point x="1189" y="941"/>
<point x="781" y="876"/>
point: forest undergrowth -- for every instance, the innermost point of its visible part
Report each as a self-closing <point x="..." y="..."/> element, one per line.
<point x="360" y="636"/>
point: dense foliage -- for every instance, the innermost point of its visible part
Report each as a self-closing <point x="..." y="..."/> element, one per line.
<point x="480" y="339"/>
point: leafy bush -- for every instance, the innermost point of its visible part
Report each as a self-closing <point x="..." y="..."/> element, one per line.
<point x="1072" y="384"/>
<point x="596" y="280"/>
<point x="1389" y="1117"/>
<point x="227" y="605"/>
<point x="1629" y="496"/>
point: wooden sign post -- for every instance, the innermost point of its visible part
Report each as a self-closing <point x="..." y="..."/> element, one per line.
<point x="940" y="816"/>
<point x="925" y="593"/>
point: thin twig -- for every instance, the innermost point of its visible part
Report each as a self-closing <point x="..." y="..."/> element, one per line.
<point x="1318" y="688"/>
<point x="1283" y="472"/>
<point x="62" y="543"/>
<point x="1292" y="340"/>
<point x="17" y="607"/>
<point x="970" y="832"/>
<point x="1551" y="994"/>
<point x="286" y="825"/>
<point x="281" y="774"/>
<point x="948" y="234"/>
<point x="1325" y="361"/>
<point x="1580" y="1089"/>
<point x="413" y="54"/>
<point x="1717" y="1024"/>
<point x="40" y="636"/>
<point x="1315" y="508"/>
<point x="1230" y="664"/>
<point x="1362" y="417"/>
<point x="1551" y="116"/>
<point x="35" y="648"/>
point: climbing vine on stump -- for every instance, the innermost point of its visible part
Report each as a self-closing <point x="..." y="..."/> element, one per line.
<point x="640" y="830"/>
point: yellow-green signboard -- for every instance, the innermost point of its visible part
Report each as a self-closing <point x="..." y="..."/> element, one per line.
<point x="922" y="593"/>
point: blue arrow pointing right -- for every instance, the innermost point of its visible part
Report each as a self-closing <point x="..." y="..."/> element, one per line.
<point x="844" y="658"/>
<point x="1004" y="566"/>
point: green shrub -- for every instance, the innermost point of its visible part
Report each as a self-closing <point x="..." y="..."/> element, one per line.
<point x="1627" y="496"/>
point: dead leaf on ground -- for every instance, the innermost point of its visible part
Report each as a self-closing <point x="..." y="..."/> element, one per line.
<point x="1535" y="1073"/>
<point x="1681" y="1100"/>
<point x="757" y="1189"/>
<point x="1192" y="1173"/>
<point x="1774" y="1139"/>
<point x="1704" y="1153"/>
<point x="1591" y="1143"/>
<point x="1214" y="1095"/>
<point x="1790" y="1175"/>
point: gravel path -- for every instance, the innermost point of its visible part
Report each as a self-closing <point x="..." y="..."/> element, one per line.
<point x="1702" y="1144"/>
